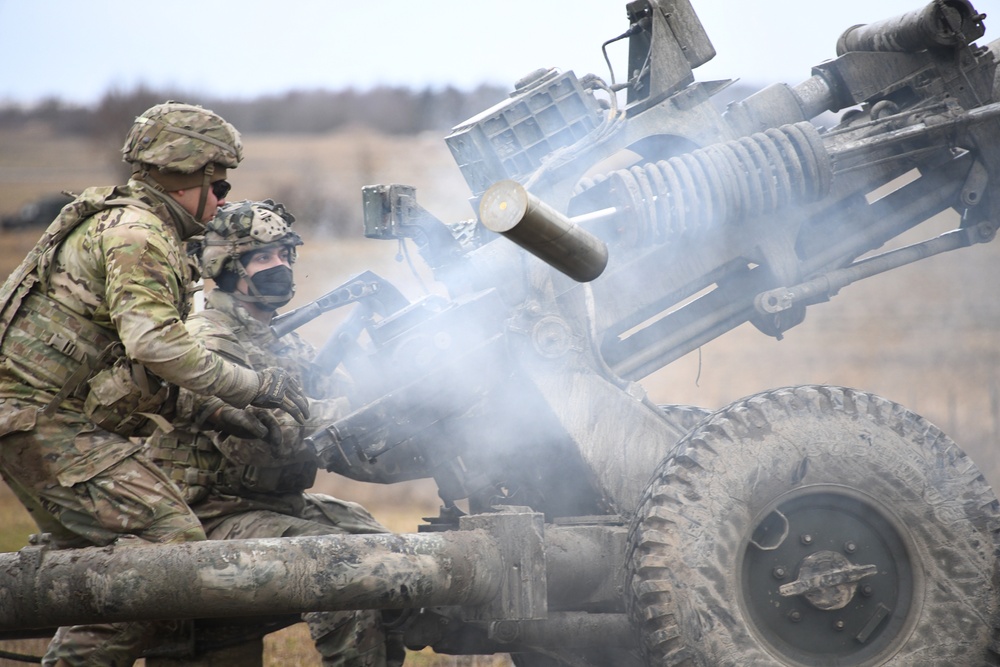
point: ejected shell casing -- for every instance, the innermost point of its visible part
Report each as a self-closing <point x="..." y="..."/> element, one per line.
<point x="508" y="209"/>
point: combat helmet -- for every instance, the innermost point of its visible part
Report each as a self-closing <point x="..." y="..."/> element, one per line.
<point x="174" y="146"/>
<point x="237" y="229"/>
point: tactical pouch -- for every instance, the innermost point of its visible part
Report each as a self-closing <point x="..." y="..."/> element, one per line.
<point x="291" y="478"/>
<point x="124" y="396"/>
<point x="190" y="459"/>
<point x="49" y="345"/>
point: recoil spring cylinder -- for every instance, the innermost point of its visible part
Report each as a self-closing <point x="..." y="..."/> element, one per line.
<point x="723" y="183"/>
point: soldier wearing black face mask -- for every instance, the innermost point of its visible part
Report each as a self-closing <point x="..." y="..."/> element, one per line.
<point x="241" y="487"/>
<point x="248" y="250"/>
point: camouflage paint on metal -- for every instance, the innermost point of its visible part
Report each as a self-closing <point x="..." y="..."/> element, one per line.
<point x="343" y="638"/>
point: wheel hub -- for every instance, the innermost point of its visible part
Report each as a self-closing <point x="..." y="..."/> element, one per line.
<point x="827" y="578"/>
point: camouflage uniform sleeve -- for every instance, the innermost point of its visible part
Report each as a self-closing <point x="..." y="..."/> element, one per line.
<point x="218" y="340"/>
<point x="144" y="292"/>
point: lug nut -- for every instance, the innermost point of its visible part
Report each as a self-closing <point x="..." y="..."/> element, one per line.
<point x="795" y="616"/>
<point x="850" y="547"/>
<point x="779" y="572"/>
<point x="839" y="625"/>
<point x="807" y="539"/>
<point x="866" y="590"/>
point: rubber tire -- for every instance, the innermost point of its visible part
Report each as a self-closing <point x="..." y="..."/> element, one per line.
<point x="683" y="418"/>
<point x="687" y="541"/>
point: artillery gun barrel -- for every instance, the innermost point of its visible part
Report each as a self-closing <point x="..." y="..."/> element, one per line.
<point x="947" y="23"/>
<point x="743" y="186"/>
<point x="929" y="127"/>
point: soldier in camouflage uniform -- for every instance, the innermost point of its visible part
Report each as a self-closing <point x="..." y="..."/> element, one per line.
<point x="242" y="488"/>
<point x="93" y="348"/>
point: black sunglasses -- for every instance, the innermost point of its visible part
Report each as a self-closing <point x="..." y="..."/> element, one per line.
<point x="221" y="188"/>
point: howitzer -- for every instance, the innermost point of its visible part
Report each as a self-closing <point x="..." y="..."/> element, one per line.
<point x="808" y="525"/>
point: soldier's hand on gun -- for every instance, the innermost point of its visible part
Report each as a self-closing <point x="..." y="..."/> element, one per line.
<point x="280" y="390"/>
<point x="273" y="434"/>
<point x="239" y="423"/>
<point x="248" y="424"/>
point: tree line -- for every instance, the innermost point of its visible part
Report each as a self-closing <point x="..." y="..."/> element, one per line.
<point x="390" y="110"/>
<point x="387" y="110"/>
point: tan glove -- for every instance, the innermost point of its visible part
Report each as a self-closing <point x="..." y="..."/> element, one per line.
<point x="280" y="390"/>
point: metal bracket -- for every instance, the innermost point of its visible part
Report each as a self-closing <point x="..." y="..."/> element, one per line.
<point x="519" y="533"/>
<point x="828" y="284"/>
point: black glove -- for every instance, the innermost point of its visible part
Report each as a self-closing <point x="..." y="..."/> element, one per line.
<point x="280" y="390"/>
<point x="240" y="423"/>
<point x="273" y="434"/>
<point x="226" y="419"/>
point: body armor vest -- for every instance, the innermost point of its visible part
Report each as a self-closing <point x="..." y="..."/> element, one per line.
<point x="50" y="346"/>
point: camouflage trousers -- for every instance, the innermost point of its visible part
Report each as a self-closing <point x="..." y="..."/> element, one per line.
<point x="343" y="638"/>
<point x="85" y="487"/>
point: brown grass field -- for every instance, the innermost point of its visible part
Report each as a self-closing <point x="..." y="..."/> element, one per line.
<point x="924" y="336"/>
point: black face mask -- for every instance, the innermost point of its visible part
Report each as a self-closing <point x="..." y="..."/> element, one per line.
<point x="275" y="285"/>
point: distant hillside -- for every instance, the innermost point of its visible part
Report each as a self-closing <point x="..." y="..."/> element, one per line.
<point x="385" y="109"/>
<point x="331" y="143"/>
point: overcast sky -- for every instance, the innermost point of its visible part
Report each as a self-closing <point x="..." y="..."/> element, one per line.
<point x="79" y="49"/>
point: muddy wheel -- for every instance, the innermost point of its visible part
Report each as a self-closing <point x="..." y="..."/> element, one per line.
<point x="816" y="526"/>
<point x="683" y="418"/>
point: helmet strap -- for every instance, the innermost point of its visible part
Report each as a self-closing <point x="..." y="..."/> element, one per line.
<point x="254" y="297"/>
<point x="206" y="183"/>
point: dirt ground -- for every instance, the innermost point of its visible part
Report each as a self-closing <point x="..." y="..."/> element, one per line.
<point x="924" y="336"/>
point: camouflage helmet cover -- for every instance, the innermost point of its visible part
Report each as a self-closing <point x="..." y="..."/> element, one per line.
<point x="182" y="138"/>
<point x="240" y="227"/>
